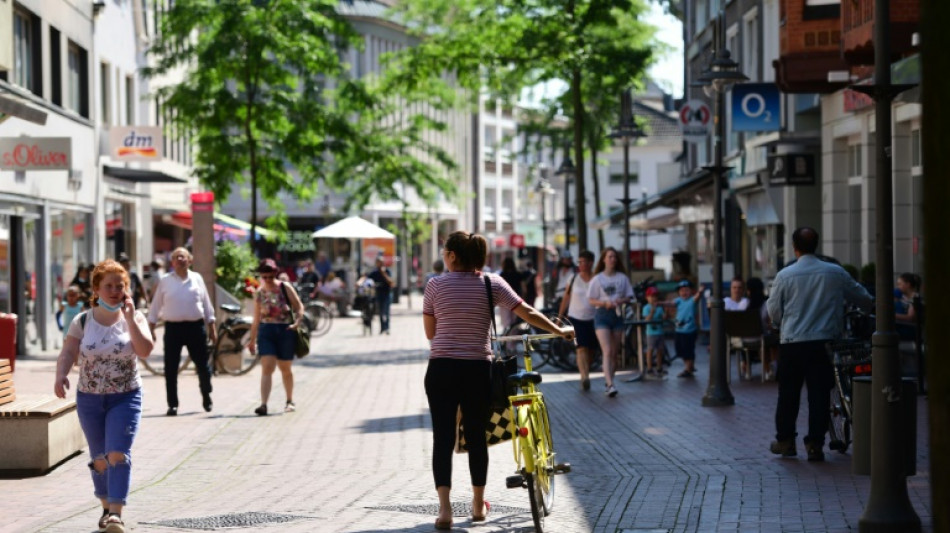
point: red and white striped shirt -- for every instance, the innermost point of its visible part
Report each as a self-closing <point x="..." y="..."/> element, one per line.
<point x="459" y="304"/>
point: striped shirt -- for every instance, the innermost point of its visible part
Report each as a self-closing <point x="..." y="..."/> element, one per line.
<point x="459" y="304"/>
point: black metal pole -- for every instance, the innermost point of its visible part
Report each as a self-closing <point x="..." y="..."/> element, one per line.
<point x="717" y="393"/>
<point x="544" y="249"/>
<point x="626" y="204"/>
<point x="888" y="508"/>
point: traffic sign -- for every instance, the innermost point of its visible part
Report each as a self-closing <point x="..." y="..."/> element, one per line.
<point x="756" y="107"/>
<point x="694" y="120"/>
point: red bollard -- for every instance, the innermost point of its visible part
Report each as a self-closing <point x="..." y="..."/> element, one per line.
<point x="8" y="338"/>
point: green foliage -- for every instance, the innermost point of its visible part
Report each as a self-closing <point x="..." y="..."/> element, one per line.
<point x="869" y="274"/>
<point x="266" y="100"/>
<point x="235" y="263"/>
<point x="851" y="269"/>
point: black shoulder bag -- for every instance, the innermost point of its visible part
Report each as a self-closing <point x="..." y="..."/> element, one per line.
<point x="302" y="347"/>
<point x="501" y="368"/>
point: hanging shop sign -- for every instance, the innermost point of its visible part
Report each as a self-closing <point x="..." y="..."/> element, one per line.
<point x="135" y="143"/>
<point x="35" y="153"/>
<point x="756" y="107"/>
<point x="791" y="169"/>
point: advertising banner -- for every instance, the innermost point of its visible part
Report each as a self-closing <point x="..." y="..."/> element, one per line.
<point x="756" y="107"/>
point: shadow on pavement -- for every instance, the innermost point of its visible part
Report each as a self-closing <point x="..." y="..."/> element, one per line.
<point x="395" y="423"/>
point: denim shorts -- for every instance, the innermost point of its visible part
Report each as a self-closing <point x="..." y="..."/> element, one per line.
<point x="276" y="339"/>
<point x="608" y="319"/>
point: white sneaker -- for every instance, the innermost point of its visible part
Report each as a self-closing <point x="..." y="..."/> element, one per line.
<point x="611" y="391"/>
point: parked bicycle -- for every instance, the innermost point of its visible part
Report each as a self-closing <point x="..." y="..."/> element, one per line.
<point x="317" y="315"/>
<point x="229" y="354"/>
<point x="850" y="357"/>
<point x="533" y="443"/>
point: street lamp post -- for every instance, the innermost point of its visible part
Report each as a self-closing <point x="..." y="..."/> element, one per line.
<point x="722" y="73"/>
<point x="544" y="188"/>
<point x="567" y="171"/>
<point x="626" y="131"/>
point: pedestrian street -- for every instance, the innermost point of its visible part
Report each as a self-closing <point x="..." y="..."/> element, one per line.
<point x="355" y="456"/>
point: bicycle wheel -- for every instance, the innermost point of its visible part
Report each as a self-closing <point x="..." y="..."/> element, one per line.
<point x="231" y="353"/>
<point x="319" y="319"/>
<point x="839" y="426"/>
<point x="155" y="363"/>
<point x="539" y="356"/>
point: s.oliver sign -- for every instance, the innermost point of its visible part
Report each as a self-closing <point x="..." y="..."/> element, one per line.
<point x="35" y="153"/>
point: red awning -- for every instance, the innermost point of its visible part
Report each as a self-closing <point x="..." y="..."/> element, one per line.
<point x="183" y="219"/>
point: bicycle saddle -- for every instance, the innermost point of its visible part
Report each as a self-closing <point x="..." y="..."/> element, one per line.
<point x="522" y="378"/>
<point x="230" y="308"/>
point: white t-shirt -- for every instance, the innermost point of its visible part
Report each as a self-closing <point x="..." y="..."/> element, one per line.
<point x="741" y="305"/>
<point x="107" y="360"/>
<point x="580" y="306"/>
<point x="609" y="288"/>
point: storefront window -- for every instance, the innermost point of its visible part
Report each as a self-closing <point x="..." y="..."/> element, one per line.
<point x="120" y="230"/>
<point x="68" y="249"/>
<point x="5" y="304"/>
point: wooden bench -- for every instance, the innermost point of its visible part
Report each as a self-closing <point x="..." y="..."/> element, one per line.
<point x="7" y="391"/>
<point x="37" y="432"/>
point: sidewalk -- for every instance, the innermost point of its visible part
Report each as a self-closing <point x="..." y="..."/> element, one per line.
<point x="355" y="457"/>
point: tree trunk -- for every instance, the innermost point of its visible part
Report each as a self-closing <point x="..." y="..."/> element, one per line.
<point x="580" y="195"/>
<point x="934" y="89"/>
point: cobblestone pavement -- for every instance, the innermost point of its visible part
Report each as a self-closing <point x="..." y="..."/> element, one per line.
<point x="355" y="457"/>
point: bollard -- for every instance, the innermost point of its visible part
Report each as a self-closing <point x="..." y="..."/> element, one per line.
<point x="861" y="425"/>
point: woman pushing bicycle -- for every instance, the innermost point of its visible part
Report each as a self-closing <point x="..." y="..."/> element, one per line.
<point x="457" y="320"/>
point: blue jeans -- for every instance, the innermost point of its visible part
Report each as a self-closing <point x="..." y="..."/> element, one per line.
<point x="382" y="307"/>
<point x="110" y="423"/>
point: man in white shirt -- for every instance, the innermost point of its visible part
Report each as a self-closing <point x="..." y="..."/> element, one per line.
<point x="182" y="301"/>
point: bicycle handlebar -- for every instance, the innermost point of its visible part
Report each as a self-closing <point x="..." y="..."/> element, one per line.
<point x="526" y="337"/>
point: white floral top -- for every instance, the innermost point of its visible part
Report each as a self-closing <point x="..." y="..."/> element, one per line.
<point x="107" y="361"/>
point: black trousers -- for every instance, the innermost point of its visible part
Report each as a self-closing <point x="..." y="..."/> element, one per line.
<point x="450" y="384"/>
<point x="191" y="335"/>
<point x="808" y="363"/>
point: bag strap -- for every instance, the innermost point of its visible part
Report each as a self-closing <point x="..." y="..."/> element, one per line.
<point x="283" y="289"/>
<point x="82" y="321"/>
<point x="491" y="305"/>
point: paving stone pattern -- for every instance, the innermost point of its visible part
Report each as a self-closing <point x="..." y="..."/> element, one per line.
<point x="355" y="456"/>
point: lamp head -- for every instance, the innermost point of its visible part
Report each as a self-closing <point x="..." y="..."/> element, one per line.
<point x="721" y="74"/>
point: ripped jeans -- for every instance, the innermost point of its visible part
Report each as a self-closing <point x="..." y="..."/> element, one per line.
<point x="110" y="423"/>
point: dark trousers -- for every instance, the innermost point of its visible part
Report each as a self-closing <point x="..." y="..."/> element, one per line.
<point x="191" y="335"/>
<point x="382" y="307"/>
<point x="808" y="363"/>
<point x="450" y="384"/>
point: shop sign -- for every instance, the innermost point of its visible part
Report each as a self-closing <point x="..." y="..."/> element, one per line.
<point x="756" y="107"/>
<point x="297" y="242"/>
<point x="35" y="153"/>
<point x="516" y="240"/>
<point x="854" y="101"/>
<point x="135" y="143"/>
<point x="202" y="202"/>
<point x="791" y="169"/>
<point x="374" y="249"/>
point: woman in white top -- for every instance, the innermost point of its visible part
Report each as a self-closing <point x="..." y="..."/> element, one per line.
<point x="609" y="290"/>
<point x="581" y="314"/>
<point x="107" y="341"/>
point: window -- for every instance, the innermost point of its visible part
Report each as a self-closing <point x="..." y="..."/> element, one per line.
<point x="750" y="44"/>
<point x="27" y="64"/>
<point x="55" y="66"/>
<point x="105" y="94"/>
<point x="915" y="155"/>
<point x="78" y="79"/>
<point x="129" y="100"/>
<point x="854" y="160"/>
<point x="616" y="173"/>
<point x="700" y="16"/>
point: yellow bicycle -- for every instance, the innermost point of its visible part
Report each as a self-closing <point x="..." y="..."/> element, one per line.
<point x="533" y="445"/>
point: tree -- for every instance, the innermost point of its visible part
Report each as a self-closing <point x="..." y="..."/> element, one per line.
<point x="266" y="98"/>
<point x="506" y="45"/>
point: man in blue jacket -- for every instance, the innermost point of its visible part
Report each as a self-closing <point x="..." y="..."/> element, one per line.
<point x="807" y="301"/>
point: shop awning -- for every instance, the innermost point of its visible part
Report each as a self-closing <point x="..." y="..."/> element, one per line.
<point x="758" y="209"/>
<point x="139" y="175"/>
<point x="17" y="107"/>
<point x="682" y="194"/>
<point x="222" y="224"/>
<point x="656" y="223"/>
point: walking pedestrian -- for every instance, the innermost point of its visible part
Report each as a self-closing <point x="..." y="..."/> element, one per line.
<point x="81" y="280"/>
<point x="438" y="267"/>
<point x="609" y="290"/>
<point x="274" y="332"/>
<point x="136" y="287"/>
<point x="807" y="302"/>
<point x="383" y="281"/>
<point x="106" y="341"/>
<point x="514" y="279"/>
<point x="686" y="330"/>
<point x="69" y="309"/>
<point x="581" y="313"/>
<point x="656" y="345"/>
<point x="182" y="301"/>
<point x="457" y="320"/>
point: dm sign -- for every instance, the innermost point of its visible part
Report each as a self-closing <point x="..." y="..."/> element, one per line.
<point x="135" y="143"/>
<point x="35" y="153"/>
<point x="756" y="107"/>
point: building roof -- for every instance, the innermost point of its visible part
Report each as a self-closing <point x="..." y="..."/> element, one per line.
<point x="660" y="126"/>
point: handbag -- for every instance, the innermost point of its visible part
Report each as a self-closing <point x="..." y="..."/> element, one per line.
<point x="302" y="347"/>
<point x="501" y="425"/>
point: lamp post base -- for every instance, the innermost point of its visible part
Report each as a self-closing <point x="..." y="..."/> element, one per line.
<point x="710" y="400"/>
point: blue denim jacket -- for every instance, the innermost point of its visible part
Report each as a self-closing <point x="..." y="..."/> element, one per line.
<point x="807" y="300"/>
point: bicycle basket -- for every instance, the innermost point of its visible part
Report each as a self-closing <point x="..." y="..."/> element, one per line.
<point x="850" y="352"/>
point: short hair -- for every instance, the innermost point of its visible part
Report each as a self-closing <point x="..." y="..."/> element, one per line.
<point x="587" y="254"/>
<point x="185" y="251"/>
<point x="74" y="289"/>
<point x="470" y="249"/>
<point x="805" y="240"/>
<point x="438" y="265"/>
<point x="911" y="279"/>
<point x="103" y="269"/>
<point x="739" y="279"/>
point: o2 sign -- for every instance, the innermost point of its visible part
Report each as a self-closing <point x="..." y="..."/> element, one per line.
<point x="756" y="107"/>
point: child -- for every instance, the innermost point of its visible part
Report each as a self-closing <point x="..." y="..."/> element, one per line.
<point x="687" y="311"/>
<point x="70" y="308"/>
<point x="653" y="310"/>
